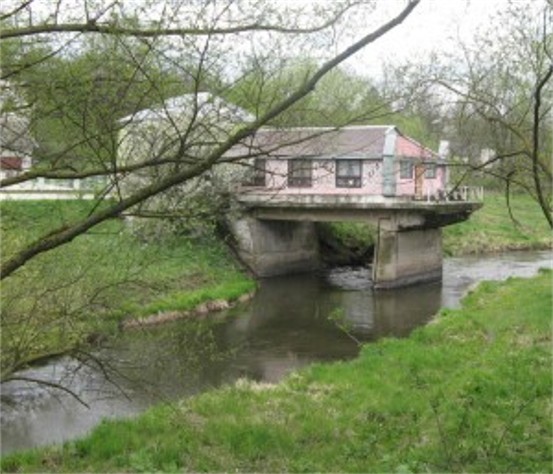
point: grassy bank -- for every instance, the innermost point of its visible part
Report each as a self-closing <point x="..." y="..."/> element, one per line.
<point x="470" y="392"/>
<point x="100" y="278"/>
<point x="491" y="229"/>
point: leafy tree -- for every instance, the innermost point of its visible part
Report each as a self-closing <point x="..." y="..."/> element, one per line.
<point x="107" y="64"/>
<point x="502" y="94"/>
<point x="203" y="33"/>
<point x="341" y="97"/>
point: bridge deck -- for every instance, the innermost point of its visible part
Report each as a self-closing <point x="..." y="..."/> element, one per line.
<point x="316" y="207"/>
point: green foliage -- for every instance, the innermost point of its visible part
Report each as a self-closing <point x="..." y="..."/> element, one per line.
<point x="352" y="234"/>
<point x="469" y="392"/>
<point x="346" y="243"/>
<point x="56" y="301"/>
<point x="74" y="113"/>
<point x="491" y="229"/>
<point x="331" y="104"/>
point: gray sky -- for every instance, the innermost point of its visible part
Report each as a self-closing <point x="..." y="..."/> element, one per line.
<point x="433" y="25"/>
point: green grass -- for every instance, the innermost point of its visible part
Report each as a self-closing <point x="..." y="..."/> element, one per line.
<point x="351" y="234"/>
<point x="469" y="392"/>
<point x="491" y="229"/>
<point x="90" y="284"/>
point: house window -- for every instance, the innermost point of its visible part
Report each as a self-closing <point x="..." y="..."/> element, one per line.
<point x="300" y="173"/>
<point x="406" y="169"/>
<point x="259" y="168"/>
<point x="348" y="173"/>
<point x="430" y="171"/>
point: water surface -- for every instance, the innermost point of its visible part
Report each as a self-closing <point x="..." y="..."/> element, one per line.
<point x="289" y="324"/>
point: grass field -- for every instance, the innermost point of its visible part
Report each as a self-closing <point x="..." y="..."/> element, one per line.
<point x="100" y="278"/>
<point x="491" y="228"/>
<point x="470" y="392"/>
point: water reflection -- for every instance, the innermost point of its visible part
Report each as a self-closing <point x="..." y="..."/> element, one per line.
<point x="288" y="325"/>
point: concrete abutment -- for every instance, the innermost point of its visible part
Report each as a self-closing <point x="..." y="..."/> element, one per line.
<point x="271" y="248"/>
<point x="406" y="257"/>
<point x="275" y="239"/>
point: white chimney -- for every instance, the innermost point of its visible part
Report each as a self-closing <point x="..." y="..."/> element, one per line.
<point x="443" y="149"/>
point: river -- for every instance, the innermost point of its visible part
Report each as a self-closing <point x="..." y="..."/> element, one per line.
<point x="293" y="321"/>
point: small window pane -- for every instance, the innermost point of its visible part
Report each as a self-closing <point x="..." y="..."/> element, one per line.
<point x="259" y="172"/>
<point x="406" y="170"/>
<point x="348" y="173"/>
<point x="430" y="172"/>
<point x="255" y="175"/>
<point x="299" y="173"/>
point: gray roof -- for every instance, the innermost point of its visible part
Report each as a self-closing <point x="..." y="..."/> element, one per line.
<point x="366" y="141"/>
<point x="353" y="142"/>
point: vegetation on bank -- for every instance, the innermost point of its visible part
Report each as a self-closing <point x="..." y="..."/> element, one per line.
<point x="109" y="274"/>
<point x="346" y="243"/>
<point x="492" y="229"/>
<point x="469" y="392"/>
<point x="113" y="272"/>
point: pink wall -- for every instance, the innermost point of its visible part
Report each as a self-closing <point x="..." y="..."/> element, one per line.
<point x="405" y="147"/>
<point x="324" y="179"/>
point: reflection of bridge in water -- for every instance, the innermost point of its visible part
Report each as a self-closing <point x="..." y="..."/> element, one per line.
<point x="276" y="234"/>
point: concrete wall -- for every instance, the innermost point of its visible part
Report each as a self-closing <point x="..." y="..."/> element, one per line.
<point x="405" y="257"/>
<point x="408" y="249"/>
<point x="271" y="248"/>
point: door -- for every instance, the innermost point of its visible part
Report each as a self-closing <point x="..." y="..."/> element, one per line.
<point x="419" y="180"/>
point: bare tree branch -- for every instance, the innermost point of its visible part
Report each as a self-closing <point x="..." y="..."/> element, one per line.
<point x="536" y="147"/>
<point x="47" y="383"/>
<point x="92" y="26"/>
<point x="67" y="234"/>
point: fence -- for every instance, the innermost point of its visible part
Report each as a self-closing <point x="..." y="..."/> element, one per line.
<point x="49" y="189"/>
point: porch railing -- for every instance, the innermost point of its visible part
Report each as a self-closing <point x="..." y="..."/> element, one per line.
<point x="458" y="193"/>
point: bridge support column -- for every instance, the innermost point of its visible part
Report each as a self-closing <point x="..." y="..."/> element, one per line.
<point x="271" y="248"/>
<point x="406" y="256"/>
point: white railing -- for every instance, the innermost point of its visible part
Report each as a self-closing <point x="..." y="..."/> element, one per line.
<point x="41" y="189"/>
<point x="458" y="193"/>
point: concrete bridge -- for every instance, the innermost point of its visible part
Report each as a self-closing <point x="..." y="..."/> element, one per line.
<point x="276" y="234"/>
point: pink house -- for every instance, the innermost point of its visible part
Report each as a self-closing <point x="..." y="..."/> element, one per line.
<point x="364" y="160"/>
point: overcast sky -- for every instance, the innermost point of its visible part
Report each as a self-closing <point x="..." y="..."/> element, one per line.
<point x="433" y="25"/>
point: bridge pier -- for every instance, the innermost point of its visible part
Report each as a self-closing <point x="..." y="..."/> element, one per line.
<point x="276" y="235"/>
<point x="406" y="256"/>
<point x="271" y="248"/>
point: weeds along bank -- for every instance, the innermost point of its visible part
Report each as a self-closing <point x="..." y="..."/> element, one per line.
<point x="90" y="285"/>
<point x="470" y="392"/>
<point x="491" y="229"/>
<point x="494" y="229"/>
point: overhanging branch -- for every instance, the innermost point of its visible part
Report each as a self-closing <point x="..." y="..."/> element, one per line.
<point x="93" y="26"/>
<point x="67" y="234"/>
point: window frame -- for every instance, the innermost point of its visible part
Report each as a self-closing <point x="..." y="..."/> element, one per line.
<point x="431" y="171"/>
<point x="349" y="180"/>
<point x="402" y="173"/>
<point x="297" y="170"/>
<point x="259" y="177"/>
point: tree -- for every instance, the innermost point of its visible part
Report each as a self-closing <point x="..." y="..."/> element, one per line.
<point x="501" y="93"/>
<point x="201" y="31"/>
<point x="341" y="97"/>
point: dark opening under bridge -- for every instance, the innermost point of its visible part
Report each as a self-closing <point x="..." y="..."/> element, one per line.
<point x="276" y="233"/>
